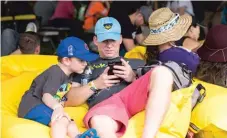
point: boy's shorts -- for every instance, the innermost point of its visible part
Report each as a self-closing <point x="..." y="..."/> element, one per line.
<point x="40" y="113"/>
<point x="123" y="105"/>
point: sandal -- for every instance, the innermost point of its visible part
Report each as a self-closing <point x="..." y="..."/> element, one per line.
<point x="90" y="133"/>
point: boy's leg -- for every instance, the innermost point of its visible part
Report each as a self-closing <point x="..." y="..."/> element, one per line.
<point x="105" y="126"/>
<point x="72" y="130"/>
<point x="59" y="128"/>
<point x="160" y="87"/>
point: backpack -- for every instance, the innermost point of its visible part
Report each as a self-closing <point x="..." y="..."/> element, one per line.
<point x="182" y="78"/>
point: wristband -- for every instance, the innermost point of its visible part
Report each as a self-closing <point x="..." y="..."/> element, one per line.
<point x="92" y="86"/>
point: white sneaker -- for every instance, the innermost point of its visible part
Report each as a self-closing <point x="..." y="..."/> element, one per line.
<point x="31" y="27"/>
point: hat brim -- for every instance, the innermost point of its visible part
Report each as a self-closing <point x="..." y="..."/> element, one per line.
<point x="174" y="34"/>
<point x="88" y="56"/>
<point x="107" y="36"/>
<point x="212" y="55"/>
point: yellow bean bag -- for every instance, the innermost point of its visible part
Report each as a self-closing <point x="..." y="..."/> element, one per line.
<point x="15" y="65"/>
<point x="20" y="70"/>
<point x="138" y="52"/>
<point x="210" y="116"/>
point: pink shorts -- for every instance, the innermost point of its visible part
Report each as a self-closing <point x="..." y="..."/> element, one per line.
<point x="123" y="105"/>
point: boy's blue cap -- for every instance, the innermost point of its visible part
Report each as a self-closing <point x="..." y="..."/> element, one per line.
<point x="75" y="47"/>
<point x="107" y="28"/>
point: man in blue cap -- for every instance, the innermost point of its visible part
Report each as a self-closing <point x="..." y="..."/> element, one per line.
<point x="114" y="93"/>
<point x="45" y="99"/>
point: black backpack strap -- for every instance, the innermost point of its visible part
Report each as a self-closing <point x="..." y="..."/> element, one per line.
<point x="203" y="95"/>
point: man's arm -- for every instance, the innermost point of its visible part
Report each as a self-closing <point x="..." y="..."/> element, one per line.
<point x="140" y="38"/>
<point x="80" y="94"/>
<point x="128" y="43"/>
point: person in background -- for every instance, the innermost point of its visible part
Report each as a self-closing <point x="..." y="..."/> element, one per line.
<point x="95" y="10"/>
<point x="45" y="10"/>
<point x="190" y="40"/>
<point x="25" y="43"/>
<point x="9" y="41"/>
<point x="181" y="7"/>
<point x="29" y="43"/>
<point x="213" y="54"/>
<point x="131" y="18"/>
<point x="65" y="15"/>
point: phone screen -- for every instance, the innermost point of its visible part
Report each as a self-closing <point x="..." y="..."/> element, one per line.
<point x="111" y="64"/>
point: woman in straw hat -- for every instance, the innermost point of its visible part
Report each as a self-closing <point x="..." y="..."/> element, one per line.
<point x="166" y="28"/>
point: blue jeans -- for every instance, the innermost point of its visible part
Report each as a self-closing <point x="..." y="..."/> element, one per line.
<point x="9" y="41"/>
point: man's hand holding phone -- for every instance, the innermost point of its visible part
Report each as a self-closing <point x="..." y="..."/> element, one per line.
<point x="105" y="80"/>
<point x="124" y="71"/>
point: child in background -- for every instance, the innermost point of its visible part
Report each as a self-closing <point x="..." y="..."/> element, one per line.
<point x="44" y="101"/>
<point x="96" y="10"/>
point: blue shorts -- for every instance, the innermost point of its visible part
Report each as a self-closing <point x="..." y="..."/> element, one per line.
<point x="40" y="113"/>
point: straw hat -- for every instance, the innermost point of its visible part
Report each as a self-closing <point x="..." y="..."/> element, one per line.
<point x="166" y="26"/>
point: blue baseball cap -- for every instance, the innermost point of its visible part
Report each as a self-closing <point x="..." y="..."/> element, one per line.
<point x="75" y="47"/>
<point x="107" y="28"/>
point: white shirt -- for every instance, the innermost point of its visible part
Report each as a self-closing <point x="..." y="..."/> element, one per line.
<point x="177" y="4"/>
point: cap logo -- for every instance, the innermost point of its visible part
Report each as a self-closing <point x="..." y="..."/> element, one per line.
<point x="70" y="50"/>
<point x="86" y="47"/>
<point x="108" y="26"/>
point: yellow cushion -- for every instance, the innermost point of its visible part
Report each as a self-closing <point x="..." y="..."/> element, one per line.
<point x="23" y="69"/>
<point x="211" y="132"/>
<point x="14" y="65"/>
<point x="211" y="113"/>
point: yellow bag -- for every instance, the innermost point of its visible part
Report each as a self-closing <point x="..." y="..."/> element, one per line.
<point x="210" y="116"/>
<point x="138" y="52"/>
<point x="23" y="69"/>
<point x="176" y="122"/>
<point x="211" y="132"/>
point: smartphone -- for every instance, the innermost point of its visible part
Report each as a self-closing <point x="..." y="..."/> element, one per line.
<point x="111" y="64"/>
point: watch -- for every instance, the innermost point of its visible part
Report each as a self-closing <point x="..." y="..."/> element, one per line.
<point x="92" y="86"/>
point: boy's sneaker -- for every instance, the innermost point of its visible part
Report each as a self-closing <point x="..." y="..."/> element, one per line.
<point x="31" y="27"/>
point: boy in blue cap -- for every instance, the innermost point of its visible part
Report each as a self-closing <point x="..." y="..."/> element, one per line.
<point x="44" y="101"/>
